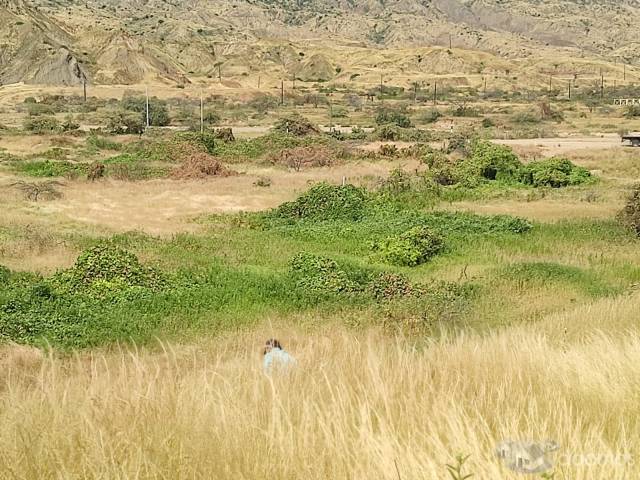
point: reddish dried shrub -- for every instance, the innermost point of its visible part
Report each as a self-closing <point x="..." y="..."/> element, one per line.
<point x="304" y="157"/>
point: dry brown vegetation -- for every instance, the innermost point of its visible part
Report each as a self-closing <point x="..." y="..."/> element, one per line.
<point x="304" y="157"/>
<point x="356" y="406"/>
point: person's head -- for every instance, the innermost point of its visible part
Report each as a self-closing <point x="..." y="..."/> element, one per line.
<point x="270" y="345"/>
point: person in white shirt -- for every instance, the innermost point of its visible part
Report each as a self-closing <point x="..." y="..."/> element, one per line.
<point x="275" y="358"/>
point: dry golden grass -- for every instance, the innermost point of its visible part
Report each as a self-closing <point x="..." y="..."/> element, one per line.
<point x="357" y="403"/>
<point x="167" y="206"/>
<point x="543" y="210"/>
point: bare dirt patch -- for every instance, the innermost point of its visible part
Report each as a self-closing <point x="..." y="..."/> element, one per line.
<point x="563" y="145"/>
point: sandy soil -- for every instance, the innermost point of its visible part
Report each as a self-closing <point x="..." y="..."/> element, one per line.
<point x="564" y="145"/>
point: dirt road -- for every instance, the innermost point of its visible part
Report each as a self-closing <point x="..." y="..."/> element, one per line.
<point x="563" y="145"/>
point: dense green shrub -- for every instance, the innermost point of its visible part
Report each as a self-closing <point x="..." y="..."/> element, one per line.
<point x="122" y="121"/>
<point x="316" y="274"/>
<point x="207" y="140"/>
<point x="106" y="267"/>
<point x="386" y="286"/>
<point x="393" y="116"/>
<point x="326" y="202"/>
<point x="411" y="248"/>
<point x="629" y="216"/>
<point x="396" y="183"/>
<point x="42" y="125"/>
<point x="489" y="162"/>
<point x="48" y="168"/>
<point x="554" y="172"/>
<point x="494" y="162"/>
<point x="295" y="125"/>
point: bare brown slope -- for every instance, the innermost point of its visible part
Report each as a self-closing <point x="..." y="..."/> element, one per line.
<point x="124" y="41"/>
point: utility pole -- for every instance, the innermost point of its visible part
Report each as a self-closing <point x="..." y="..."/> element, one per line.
<point x="147" y="104"/>
<point x="282" y="92"/>
<point x="201" y="113"/>
<point x="450" y="42"/>
<point x="550" y="83"/>
<point x="435" y="93"/>
<point x="330" y="116"/>
<point x="84" y="88"/>
<point x="259" y="82"/>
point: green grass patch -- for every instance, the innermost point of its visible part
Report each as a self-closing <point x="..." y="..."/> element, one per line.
<point x="49" y="168"/>
<point x="545" y="273"/>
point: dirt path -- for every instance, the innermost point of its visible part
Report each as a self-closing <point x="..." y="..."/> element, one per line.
<point x="563" y="145"/>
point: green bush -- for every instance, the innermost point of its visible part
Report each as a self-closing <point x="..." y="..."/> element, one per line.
<point x="316" y="274"/>
<point x="494" y="162"/>
<point x="396" y="183"/>
<point x="106" y="267"/>
<point x="295" y="125"/>
<point x="42" y="125"/>
<point x="392" y="116"/>
<point x="411" y="248"/>
<point x="207" y="140"/>
<point x="386" y="286"/>
<point x="326" y="202"/>
<point x="120" y="122"/>
<point x="629" y="216"/>
<point x="48" y="168"/>
<point x="554" y="172"/>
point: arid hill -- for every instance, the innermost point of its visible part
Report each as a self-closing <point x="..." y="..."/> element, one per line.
<point x="133" y="41"/>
